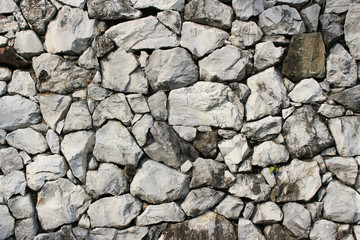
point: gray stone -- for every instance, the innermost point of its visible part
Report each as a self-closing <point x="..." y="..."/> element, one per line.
<point x="12" y="184"/>
<point x="210" y="12"/>
<point x="138" y="103"/>
<point x="116" y="211"/>
<point x="297" y="219"/>
<point x="208" y="172"/>
<point x="252" y="186"/>
<point x="22" y="207"/>
<point x="76" y="147"/>
<point x="349" y="98"/>
<point x="267" y="55"/>
<point x="324" y="229"/>
<point x="27" y="44"/>
<point x="247" y="230"/>
<point x="341" y="68"/>
<point x="74" y="3"/>
<point x="245" y="34"/>
<point x="17" y="112"/>
<point x="158" y="105"/>
<point x="161" y="4"/>
<point x="157" y="183"/>
<point x="206" y="104"/>
<point x="60" y="202"/>
<point x="144" y="33"/>
<point x="310" y="137"/>
<point x="57" y="75"/>
<point x="141" y="128"/>
<point x="171" y="19"/>
<point x="230" y="207"/>
<point x="53" y="141"/>
<point x="227" y="134"/>
<point x="267" y="213"/>
<point x="193" y="37"/>
<point x="26" y="228"/>
<point x="88" y="59"/>
<point x="53" y="108"/>
<point x="10" y="160"/>
<point x="298" y="181"/>
<point x="45" y="168"/>
<point x="331" y="27"/>
<point x="107" y="179"/>
<point x="8" y="6"/>
<point x="122" y="79"/>
<point x="132" y="233"/>
<point x="248" y="210"/>
<point x="186" y="133"/>
<point x="2" y="137"/>
<point x="344" y="168"/>
<point x="245" y="9"/>
<point x="310" y="15"/>
<point x="277" y="231"/>
<point x="337" y="6"/>
<point x="315" y="209"/>
<point x="3" y="41"/>
<point x="269" y="153"/>
<point x="102" y="45"/>
<point x="22" y="83"/>
<point x="293" y="3"/>
<point x="71" y="32"/>
<point x="263" y="129"/>
<point x="351" y="35"/>
<point x="346" y="144"/>
<point x="77" y="118"/>
<point x="226" y="64"/>
<point x="114" y="144"/>
<point x="5" y="74"/>
<point x="7" y="222"/>
<point x="268" y="94"/>
<point x="112" y="10"/>
<point x="113" y="107"/>
<point x="331" y="111"/>
<point x="94" y="92"/>
<point x="200" y="200"/>
<point x="307" y="91"/>
<point x="171" y="69"/>
<point x="8" y="24"/>
<point x="206" y="143"/>
<point x="28" y="140"/>
<point x="166" y="212"/>
<point x="341" y="203"/>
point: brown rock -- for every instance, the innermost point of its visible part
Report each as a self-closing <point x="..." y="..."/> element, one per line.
<point x="349" y="98"/>
<point x="10" y="58"/>
<point x="277" y="232"/>
<point x="206" y="143"/>
<point x="305" y="58"/>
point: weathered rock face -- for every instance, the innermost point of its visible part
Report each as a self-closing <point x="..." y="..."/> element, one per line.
<point x="207" y="172"/>
<point x="248" y="8"/>
<point x="307" y="91"/>
<point x="349" y="98"/>
<point x="28" y="140"/>
<point x="331" y="28"/>
<point x="269" y="153"/>
<point x="7" y="222"/>
<point x="247" y="229"/>
<point x="351" y="35"/>
<point x="112" y="10"/>
<point x="297" y="219"/>
<point x="166" y="212"/>
<point x="161" y="4"/>
<point x="267" y="55"/>
<point x="344" y="168"/>
<point x="324" y="229"/>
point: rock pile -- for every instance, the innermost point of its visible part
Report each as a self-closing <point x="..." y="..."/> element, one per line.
<point x="174" y="119"/>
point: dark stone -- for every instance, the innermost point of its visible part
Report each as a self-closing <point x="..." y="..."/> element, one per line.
<point x="103" y="45"/>
<point x="206" y="143"/>
<point x="331" y="28"/>
<point x="112" y="10"/>
<point x="349" y="98"/>
<point x="10" y="58"/>
<point x="305" y="58"/>
<point x="277" y="232"/>
<point x="167" y="147"/>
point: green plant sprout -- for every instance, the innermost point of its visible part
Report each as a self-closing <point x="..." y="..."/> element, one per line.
<point x="273" y="169"/>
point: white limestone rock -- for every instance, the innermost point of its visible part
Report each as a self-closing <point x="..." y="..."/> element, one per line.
<point x="245" y="9"/>
<point x="267" y="55"/>
<point x="230" y="207"/>
<point x="60" y="202"/>
<point x="141" y="128"/>
<point x="245" y="34"/>
<point x="45" y="168"/>
<point x="114" y="144"/>
<point x="267" y="213"/>
<point x="205" y="104"/>
<point x="26" y="228"/>
<point x="22" y="206"/>
<point x="5" y="74"/>
<point x="3" y="41"/>
<point x="171" y="19"/>
<point x="247" y="230"/>
<point x="88" y="59"/>
<point x="9" y="24"/>
<point x="352" y="23"/>
<point x="263" y="129"/>
<point x="78" y="117"/>
<point x="166" y="212"/>
<point x="186" y="133"/>
<point x="324" y="229"/>
<point x="337" y="6"/>
<point x="12" y="184"/>
<point x="28" y="44"/>
<point x="158" y="105"/>
<point x="112" y="10"/>
<point x="297" y="219"/>
<point x="294" y="3"/>
<point x="7" y="222"/>
<point x="8" y="6"/>
<point x="307" y="91"/>
<point x="160" y="4"/>
<point x="332" y="28"/>
<point x="315" y="209"/>
<point x="71" y="32"/>
<point x="28" y="140"/>
<point x="269" y="153"/>
<point x="201" y="40"/>
<point x="22" y="83"/>
<point x="10" y="160"/>
<point x="331" y="111"/>
<point x="344" y="168"/>
<point x="138" y="103"/>
<point x="310" y="15"/>
<point x="53" y="141"/>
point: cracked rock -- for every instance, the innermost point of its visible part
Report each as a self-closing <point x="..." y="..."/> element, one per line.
<point x="297" y="219"/>
<point x="267" y="55"/>
<point x="269" y="153"/>
<point x="264" y="129"/>
<point x="166" y="212"/>
<point x="171" y="19"/>
<point x="112" y="10"/>
<point x="245" y="9"/>
<point x="246" y="230"/>
<point x="77" y="118"/>
<point x="28" y="140"/>
<point x="350" y="29"/>
<point x="267" y="213"/>
<point x="344" y="168"/>
<point x="208" y="172"/>
<point x="245" y="34"/>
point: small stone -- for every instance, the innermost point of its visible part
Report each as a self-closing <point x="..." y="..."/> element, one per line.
<point x="25" y="157"/>
<point x="247" y="230"/>
<point x="227" y="134"/>
<point x="208" y="172"/>
<point x="315" y="209"/>
<point x="307" y="91"/>
<point x="331" y="27"/>
<point x="158" y="105"/>
<point x="12" y="184"/>
<point x="3" y="88"/>
<point x="287" y="112"/>
<point x="297" y="219"/>
<point x="88" y="59"/>
<point x="351" y="35"/>
<point x="5" y="74"/>
<point x="22" y="207"/>
<point x="166" y="212"/>
<point x="186" y="166"/>
<point x="171" y="19"/>
<point x="269" y="177"/>
<point x="263" y="129"/>
<point x="310" y="15"/>
<point x="27" y="140"/>
<point x="7" y="223"/>
<point x="267" y="213"/>
<point x="331" y="111"/>
<point x="324" y="229"/>
<point x="248" y="8"/>
<point x="245" y="34"/>
<point x="344" y="168"/>
<point x="337" y="6"/>
<point x="277" y="231"/>
<point x="141" y="128"/>
<point x="138" y="103"/>
<point x="112" y="10"/>
<point x="186" y="133"/>
<point x="8" y="24"/>
<point x="269" y="153"/>
<point x="267" y="55"/>
<point x="102" y="45"/>
<point x="3" y="41"/>
<point x="27" y="44"/>
<point x="10" y="160"/>
<point x="77" y="118"/>
<point x="94" y="92"/>
<point x="230" y="207"/>
<point x="38" y="14"/>
<point x="329" y="152"/>
<point x="22" y="83"/>
<point x="53" y="141"/>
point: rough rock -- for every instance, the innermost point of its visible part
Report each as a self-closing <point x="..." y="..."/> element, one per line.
<point x="267" y="213"/>
<point x="309" y="137"/>
<point x="205" y="104"/>
<point x="171" y="19"/>
<point x="22" y="83"/>
<point x="122" y="79"/>
<point x="94" y="92"/>
<point x="57" y="75"/>
<point x="210" y="226"/>
<point x="346" y="144"/>
<point x="22" y="207"/>
<point x="248" y="8"/>
<point x="60" y="202"/>
<point x="210" y="12"/>
<point x="88" y="59"/>
<point x="74" y="3"/>
<point x="161" y="4"/>
<point x="157" y="183"/>
<point x="293" y="3"/>
<point x="337" y="6"/>
<point x="247" y="230"/>
<point x="27" y="44"/>
<point x="186" y="133"/>
<point x="141" y="128"/>
<point x="138" y="103"/>
<point x="331" y="28"/>
<point x="341" y="68"/>
<point x="8" y="24"/>
<point x="324" y="229"/>
<point x="344" y="168"/>
<point x="315" y="209"/>
<point x="144" y="33"/>
<point x="298" y="181"/>
<point x="263" y="129"/>
<point x="268" y="94"/>
<point x="114" y="144"/>
<point x="208" y="172"/>
<point x="166" y="212"/>
<point x="158" y="105"/>
<point x="226" y="64"/>
<point x="112" y="10"/>
<point x="171" y="69"/>
<point x="10" y="58"/>
<point x="310" y="16"/>
<point x="201" y="40"/>
<point x="71" y="32"/>
<point x="116" y="211"/>
<point x="276" y="231"/>
<point x="349" y="98"/>
<point x="307" y="91"/>
<point x="331" y="111"/>
<point x="26" y="228"/>
<point x="17" y="112"/>
<point x="76" y="147"/>
<point x="269" y="153"/>
<point x="7" y="222"/>
<point x="8" y="6"/>
<point x="350" y="28"/>
<point x="77" y="118"/>
<point x="281" y="19"/>
<point x="267" y="55"/>
<point x="252" y="186"/>
<point x="45" y="168"/>
<point x="248" y="210"/>
<point x="10" y="160"/>
<point x="245" y="34"/>
<point x="230" y="207"/>
<point x="5" y="74"/>
<point x="305" y="58"/>
<point x="341" y="203"/>
<point x="107" y="179"/>
<point x="12" y="184"/>
<point x="28" y="140"/>
<point x="234" y="151"/>
<point x="297" y="219"/>
<point x="102" y="45"/>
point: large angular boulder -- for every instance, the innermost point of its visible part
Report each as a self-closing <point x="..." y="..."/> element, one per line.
<point x="27" y="139"/>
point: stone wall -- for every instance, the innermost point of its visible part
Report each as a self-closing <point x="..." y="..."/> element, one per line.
<point x="174" y="119"/>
